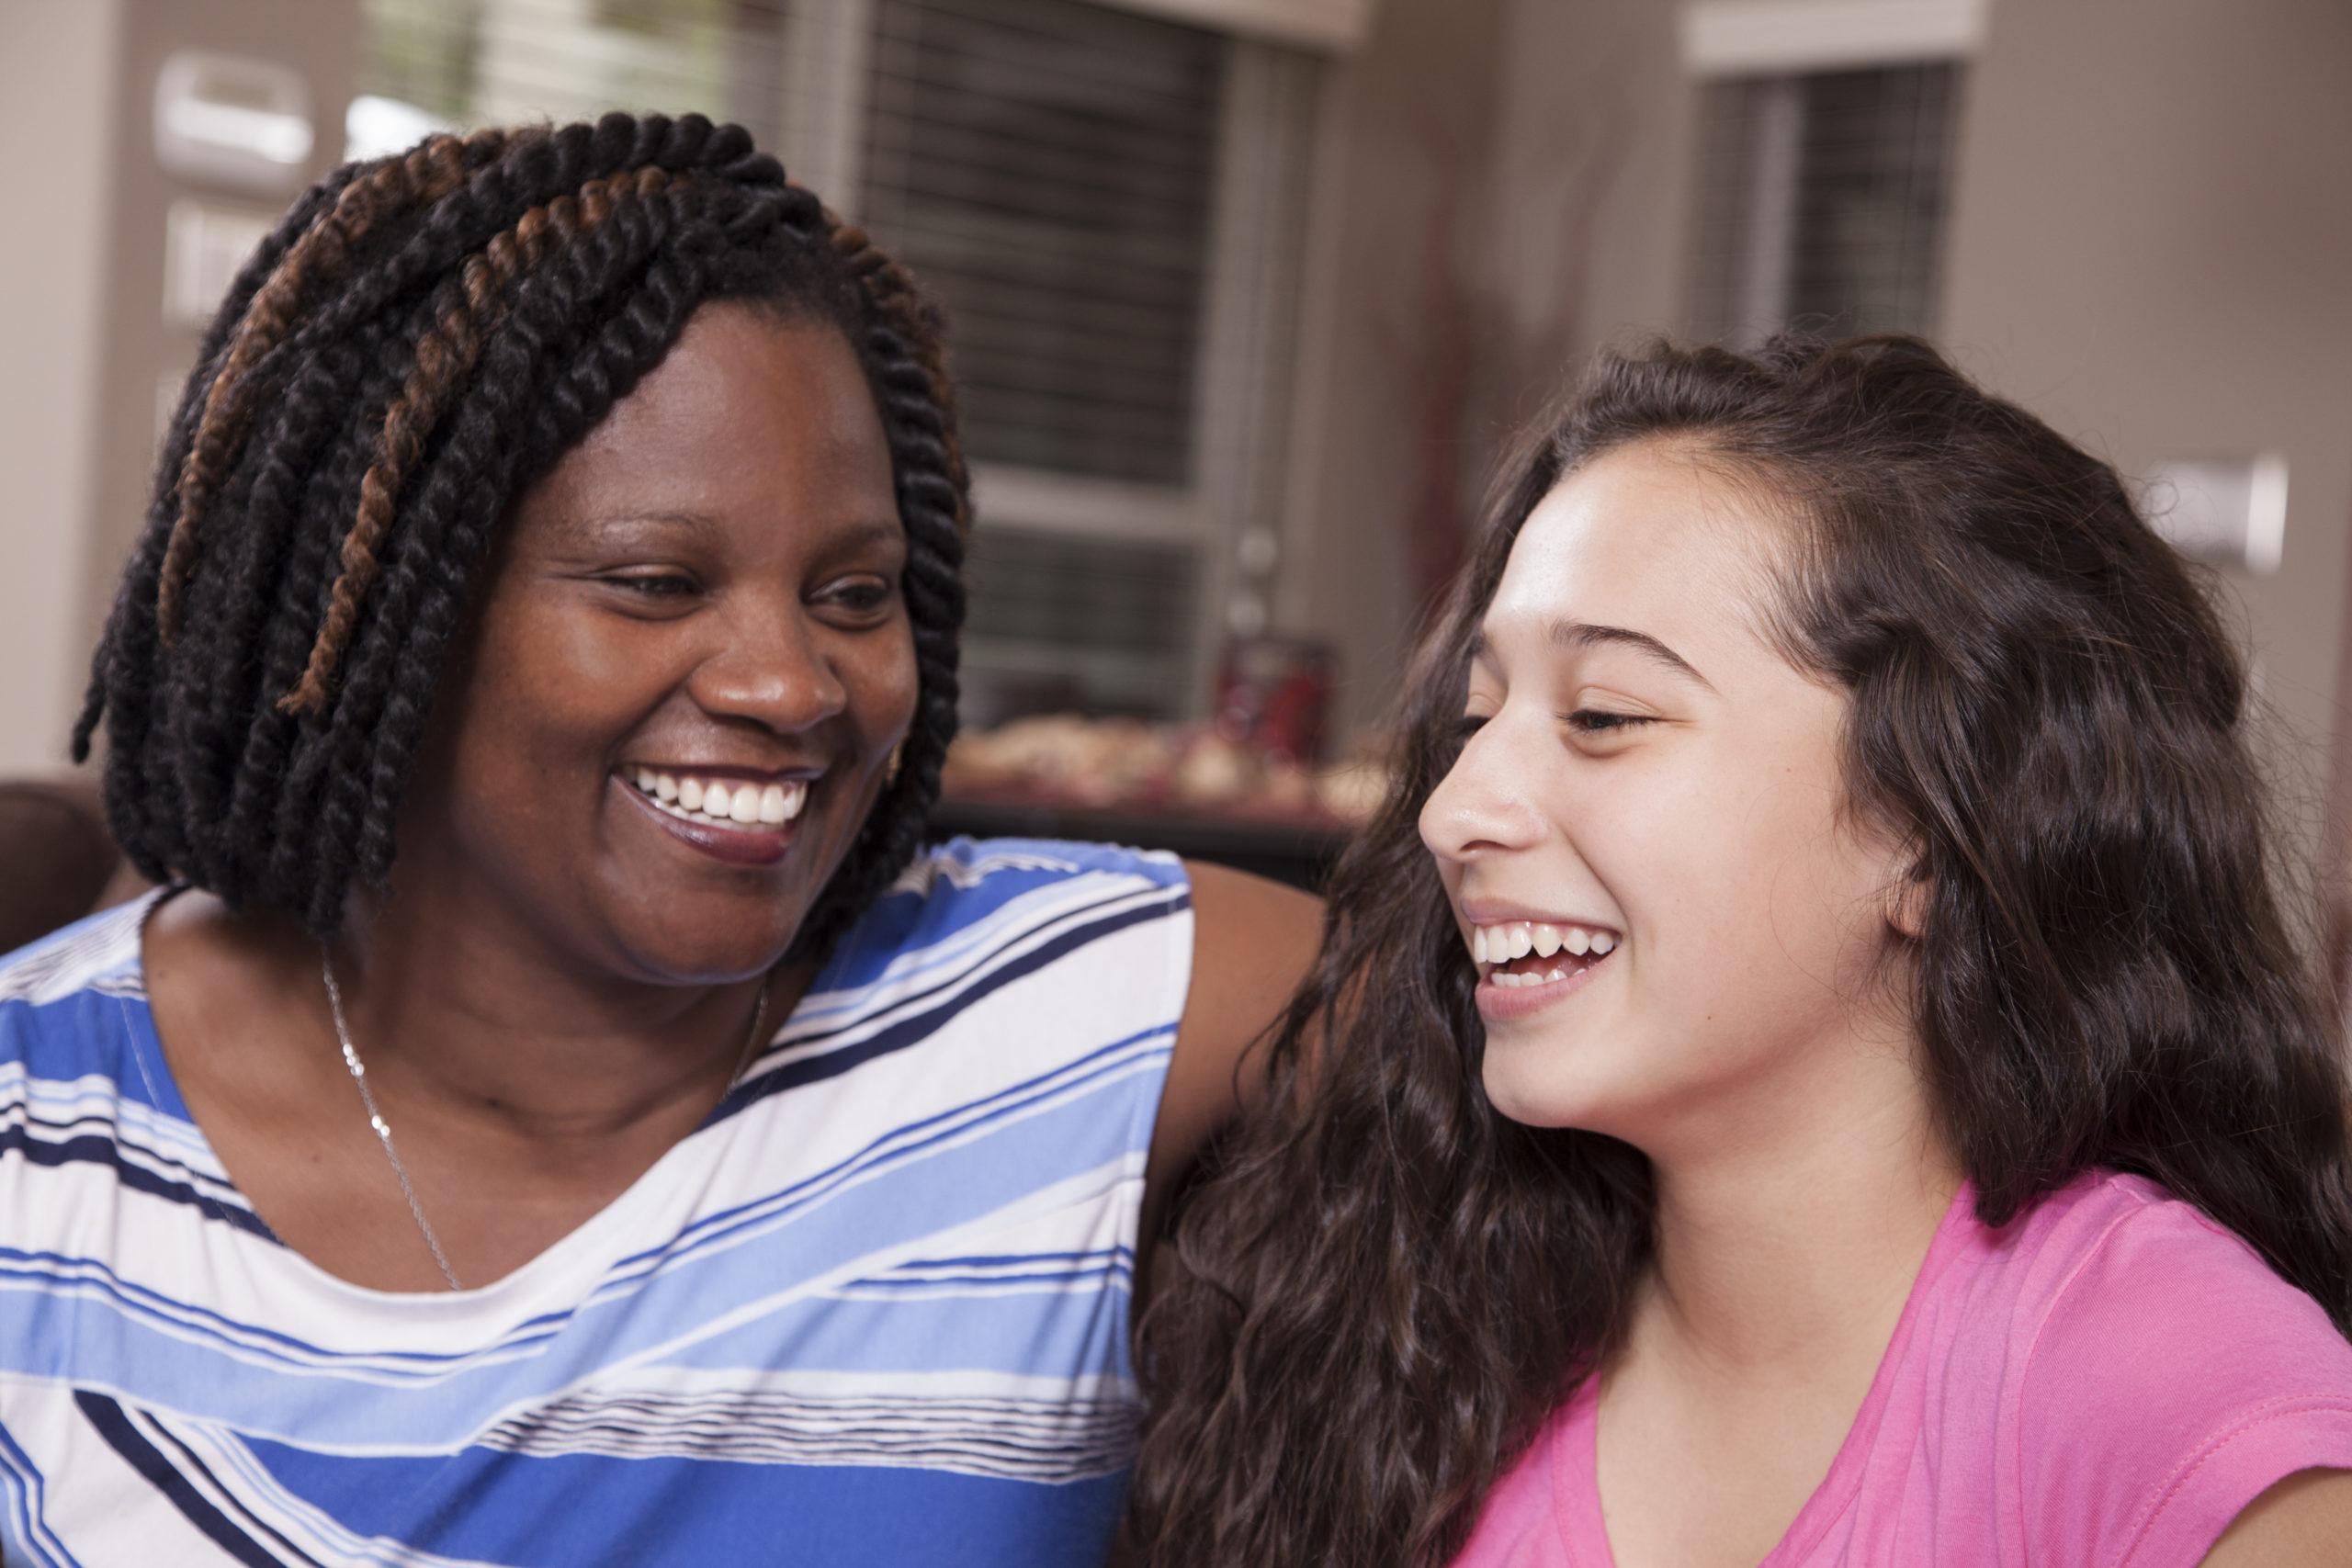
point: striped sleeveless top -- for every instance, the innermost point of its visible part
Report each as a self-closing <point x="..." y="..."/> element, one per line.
<point x="873" y="1312"/>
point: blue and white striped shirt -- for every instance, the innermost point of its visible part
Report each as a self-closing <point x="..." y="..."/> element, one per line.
<point x="873" y="1312"/>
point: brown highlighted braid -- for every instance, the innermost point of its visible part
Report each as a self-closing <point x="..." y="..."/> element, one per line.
<point x="420" y="338"/>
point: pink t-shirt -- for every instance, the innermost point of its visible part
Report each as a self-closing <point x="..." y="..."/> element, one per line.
<point x="2105" y="1380"/>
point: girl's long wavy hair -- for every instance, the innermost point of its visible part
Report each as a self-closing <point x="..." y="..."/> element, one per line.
<point x="1386" y="1285"/>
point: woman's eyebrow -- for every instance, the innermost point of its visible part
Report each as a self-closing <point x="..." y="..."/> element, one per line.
<point x="630" y="520"/>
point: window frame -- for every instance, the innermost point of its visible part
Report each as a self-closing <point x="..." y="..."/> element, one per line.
<point x="1267" y="137"/>
<point x="1780" y="43"/>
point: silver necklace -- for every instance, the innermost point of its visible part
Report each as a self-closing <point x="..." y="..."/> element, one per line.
<point x="383" y="1129"/>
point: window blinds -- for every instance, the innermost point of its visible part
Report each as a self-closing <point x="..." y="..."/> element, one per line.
<point x="1822" y="200"/>
<point x="1048" y="167"/>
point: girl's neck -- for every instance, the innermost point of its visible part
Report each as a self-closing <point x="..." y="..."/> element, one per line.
<point x="1787" y="1244"/>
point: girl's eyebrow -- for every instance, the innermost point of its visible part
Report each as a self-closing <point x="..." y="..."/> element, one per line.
<point x="1573" y="636"/>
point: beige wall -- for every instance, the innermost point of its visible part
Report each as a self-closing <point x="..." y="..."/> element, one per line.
<point x="1399" y="197"/>
<point x="2151" y="247"/>
<point x="1593" y="146"/>
<point x="319" y="39"/>
<point x="58" y="85"/>
<point x="78" y="436"/>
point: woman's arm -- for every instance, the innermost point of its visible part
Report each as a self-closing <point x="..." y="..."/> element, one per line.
<point x="2304" y="1521"/>
<point x="1253" y="943"/>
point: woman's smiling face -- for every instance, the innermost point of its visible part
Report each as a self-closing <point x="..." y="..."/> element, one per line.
<point x="1651" y="787"/>
<point x="702" y="595"/>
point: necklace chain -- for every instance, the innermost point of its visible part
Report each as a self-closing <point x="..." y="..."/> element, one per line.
<point x="383" y="1129"/>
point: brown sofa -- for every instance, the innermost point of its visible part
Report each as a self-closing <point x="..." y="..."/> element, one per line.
<point x="57" y="861"/>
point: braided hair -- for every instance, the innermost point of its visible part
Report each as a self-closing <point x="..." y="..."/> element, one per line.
<point x="420" y="339"/>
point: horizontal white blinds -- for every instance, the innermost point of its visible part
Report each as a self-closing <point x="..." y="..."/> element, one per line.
<point x="1093" y="625"/>
<point x="1822" y="200"/>
<point x="1048" y="168"/>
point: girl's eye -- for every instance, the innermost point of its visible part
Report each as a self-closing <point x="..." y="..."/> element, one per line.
<point x="1600" y="721"/>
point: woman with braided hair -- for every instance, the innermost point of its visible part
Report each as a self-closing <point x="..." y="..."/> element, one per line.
<point x="554" y="1110"/>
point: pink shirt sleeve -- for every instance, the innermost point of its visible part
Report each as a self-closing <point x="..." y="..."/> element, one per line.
<point x="2173" y="1380"/>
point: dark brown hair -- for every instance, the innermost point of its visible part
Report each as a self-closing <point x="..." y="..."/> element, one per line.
<point x="422" y="337"/>
<point x="1386" y="1285"/>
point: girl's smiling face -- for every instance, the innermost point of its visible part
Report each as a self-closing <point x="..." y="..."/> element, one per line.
<point x="1650" y="787"/>
<point x="706" y="592"/>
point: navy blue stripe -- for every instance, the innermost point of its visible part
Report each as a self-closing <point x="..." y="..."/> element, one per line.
<point x="915" y="1031"/>
<point x="205" y="1470"/>
<point x="1099" y="1252"/>
<point x="30" y="1511"/>
<point x="149" y="1462"/>
<point x="1169" y="897"/>
<point x="97" y="1149"/>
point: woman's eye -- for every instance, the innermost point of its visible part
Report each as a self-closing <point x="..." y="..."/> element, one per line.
<point x="863" y="595"/>
<point x="655" y="585"/>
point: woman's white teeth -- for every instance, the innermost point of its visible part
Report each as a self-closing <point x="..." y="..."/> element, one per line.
<point x="1510" y="980"/>
<point x="743" y="804"/>
<point x="1516" y="939"/>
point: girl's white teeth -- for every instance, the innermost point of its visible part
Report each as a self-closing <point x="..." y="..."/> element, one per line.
<point x="742" y="805"/>
<point x="1517" y="939"/>
<point x="1511" y="981"/>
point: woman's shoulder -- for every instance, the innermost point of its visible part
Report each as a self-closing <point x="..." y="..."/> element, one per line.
<point x="990" y="872"/>
<point x="1007" y="910"/>
<point x="56" y="992"/>
<point x="965" y="884"/>
<point x="2167" y="1375"/>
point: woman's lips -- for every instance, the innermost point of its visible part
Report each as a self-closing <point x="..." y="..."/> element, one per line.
<point x="735" y="844"/>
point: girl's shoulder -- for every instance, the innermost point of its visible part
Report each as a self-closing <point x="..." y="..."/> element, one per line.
<point x="2114" y="1272"/>
<point x="2163" y="1375"/>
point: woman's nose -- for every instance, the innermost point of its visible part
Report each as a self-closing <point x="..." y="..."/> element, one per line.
<point x="773" y="669"/>
<point x="1484" y="804"/>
